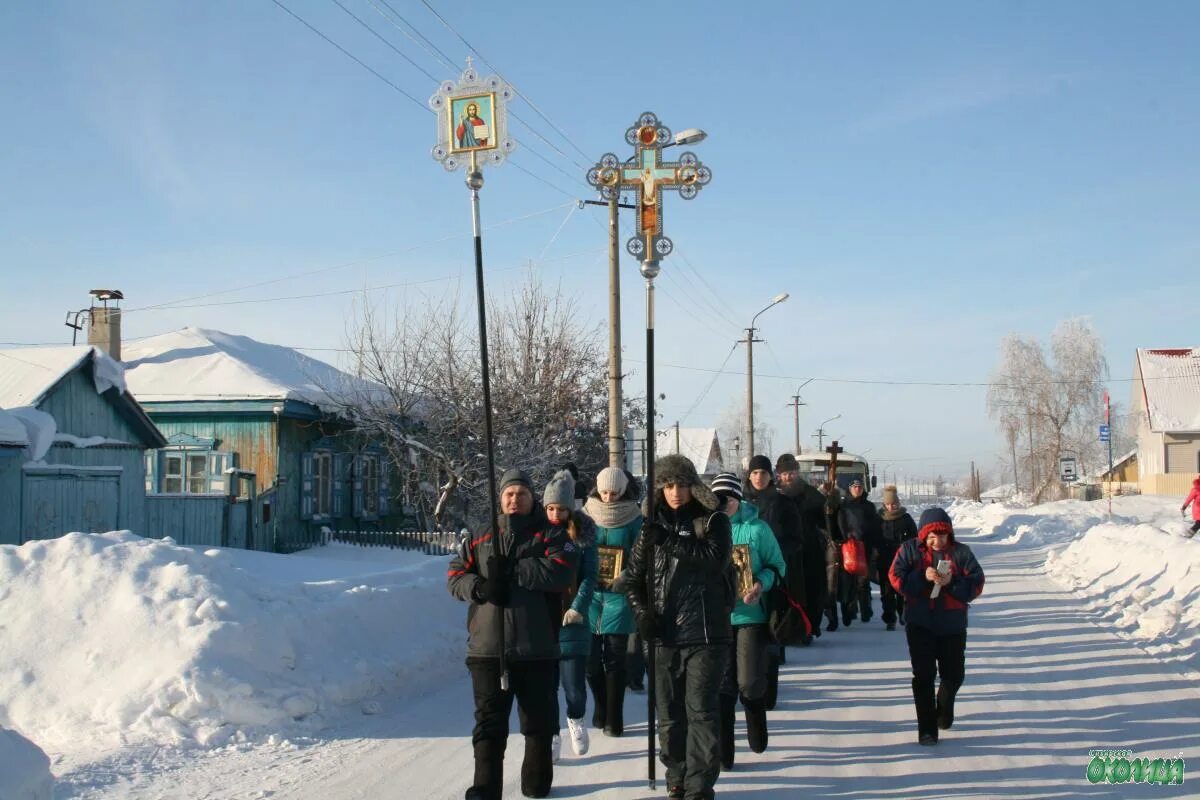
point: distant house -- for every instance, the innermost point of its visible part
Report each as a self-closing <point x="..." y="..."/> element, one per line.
<point x="701" y="445"/>
<point x="233" y="408"/>
<point x="1166" y="406"/>
<point x="72" y="445"/>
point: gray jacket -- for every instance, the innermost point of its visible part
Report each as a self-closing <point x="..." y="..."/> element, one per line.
<point x="542" y="564"/>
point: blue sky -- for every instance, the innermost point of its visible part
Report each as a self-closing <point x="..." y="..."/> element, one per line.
<point x="922" y="178"/>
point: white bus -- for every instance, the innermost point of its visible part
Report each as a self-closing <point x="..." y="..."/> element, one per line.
<point x="814" y="468"/>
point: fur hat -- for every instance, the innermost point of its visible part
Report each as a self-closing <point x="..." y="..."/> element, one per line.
<point x="786" y="463"/>
<point x="934" y="520"/>
<point x="725" y="485"/>
<point x="891" y="494"/>
<point x="760" y="462"/>
<point x="680" y="470"/>
<point x="560" y="491"/>
<point x="612" y="479"/>
<point x="516" y="476"/>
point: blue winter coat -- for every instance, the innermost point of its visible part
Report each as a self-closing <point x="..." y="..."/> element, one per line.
<point x="610" y="612"/>
<point x="946" y="613"/>
<point x="750" y="529"/>
<point x="576" y="640"/>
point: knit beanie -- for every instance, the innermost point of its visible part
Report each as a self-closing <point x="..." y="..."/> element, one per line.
<point x="612" y="479"/>
<point x="786" y="463"/>
<point x="560" y="491"/>
<point x="515" y="476"/>
<point x="726" y="484"/>
<point x="891" y="495"/>
<point x="760" y="462"/>
<point x="934" y="520"/>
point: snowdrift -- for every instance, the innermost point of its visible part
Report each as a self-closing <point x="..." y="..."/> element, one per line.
<point x="24" y="769"/>
<point x="1136" y="570"/>
<point x="112" y="639"/>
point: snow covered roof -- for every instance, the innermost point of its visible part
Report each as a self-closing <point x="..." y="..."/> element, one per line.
<point x="27" y="374"/>
<point x="695" y="443"/>
<point x="12" y="432"/>
<point x="194" y="364"/>
<point x="1170" y="380"/>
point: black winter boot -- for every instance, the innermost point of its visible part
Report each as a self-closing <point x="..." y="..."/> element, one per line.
<point x="614" y="722"/>
<point x="756" y="724"/>
<point x="489" y="771"/>
<point x="772" y="695"/>
<point x="945" y="708"/>
<point x="599" y="699"/>
<point x="927" y="714"/>
<point x="728" y="715"/>
<point x="537" y="772"/>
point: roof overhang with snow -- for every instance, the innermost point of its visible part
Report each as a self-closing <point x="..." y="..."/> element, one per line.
<point x="1170" y="385"/>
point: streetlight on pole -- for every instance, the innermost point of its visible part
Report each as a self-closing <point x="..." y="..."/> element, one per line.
<point x="616" y="426"/>
<point x="820" y="434"/>
<point x="750" y="340"/>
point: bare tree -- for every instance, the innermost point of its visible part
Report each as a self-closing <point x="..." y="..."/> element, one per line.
<point x="1052" y="403"/>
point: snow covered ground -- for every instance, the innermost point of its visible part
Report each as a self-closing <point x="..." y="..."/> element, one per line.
<point x="147" y="670"/>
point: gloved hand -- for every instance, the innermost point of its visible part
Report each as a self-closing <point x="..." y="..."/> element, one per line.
<point x="658" y="533"/>
<point x="572" y="617"/>
<point x="496" y="589"/>
<point x="650" y="629"/>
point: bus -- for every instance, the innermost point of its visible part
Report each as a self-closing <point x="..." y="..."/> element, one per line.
<point x="814" y="468"/>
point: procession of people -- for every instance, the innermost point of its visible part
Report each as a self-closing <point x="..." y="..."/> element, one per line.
<point x="569" y="591"/>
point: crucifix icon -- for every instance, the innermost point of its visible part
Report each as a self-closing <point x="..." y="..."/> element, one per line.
<point x="833" y="451"/>
<point x="646" y="174"/>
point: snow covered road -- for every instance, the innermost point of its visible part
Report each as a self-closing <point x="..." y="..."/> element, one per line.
<point x="1047" y="681"/>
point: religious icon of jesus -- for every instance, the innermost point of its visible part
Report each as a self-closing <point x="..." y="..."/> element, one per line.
<point x="473" y="119"/>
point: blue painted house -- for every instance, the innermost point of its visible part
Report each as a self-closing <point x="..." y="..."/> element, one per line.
<point x="271" y="419"/>
<point x="72" y="445"/>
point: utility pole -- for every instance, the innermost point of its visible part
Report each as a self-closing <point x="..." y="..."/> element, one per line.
<point x="676" y="437"/>
<point x="795" y="404"/>
<point x="750" y="340"/>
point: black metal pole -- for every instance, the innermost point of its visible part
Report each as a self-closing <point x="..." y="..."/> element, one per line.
<point x="475" y="182"/>
<point x="650" y="271"/>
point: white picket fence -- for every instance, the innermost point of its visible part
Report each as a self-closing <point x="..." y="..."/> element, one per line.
<point x="432" y="543"/>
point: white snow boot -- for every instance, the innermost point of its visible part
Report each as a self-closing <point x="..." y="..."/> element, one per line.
<point x="555" y="748"/>
<point x="579" y="736"/>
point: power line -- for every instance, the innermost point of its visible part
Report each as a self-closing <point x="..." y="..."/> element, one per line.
<point x="351" y="56"/>
<point x="707" y="388"/>
<point x="422" y="40"/>
<point x="381" y="38"/>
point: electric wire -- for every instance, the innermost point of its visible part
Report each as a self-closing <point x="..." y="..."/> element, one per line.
<point x="421" y="40"/>
<point x="703" y="394"/>
<point x="380" y="37"/>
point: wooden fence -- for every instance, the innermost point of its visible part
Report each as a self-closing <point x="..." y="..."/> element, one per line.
<point x="431" y="543"/>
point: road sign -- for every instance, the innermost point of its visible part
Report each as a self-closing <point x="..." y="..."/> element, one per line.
<point x="1104" y="433"/>
<point x="1066" y="469"/>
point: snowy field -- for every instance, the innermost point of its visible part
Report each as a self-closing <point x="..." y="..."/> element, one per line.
<point x="148" y="670"/>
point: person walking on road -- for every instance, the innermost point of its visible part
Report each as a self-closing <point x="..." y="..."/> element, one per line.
<point x="1193" y="500"/>
<point x="896" y="527"/>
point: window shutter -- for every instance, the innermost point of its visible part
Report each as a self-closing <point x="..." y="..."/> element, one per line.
<point x="358" y="487"/>
<point x="151" y="472"/>
<point x="341" y="467"/>
<point x="385" y="491"/>
<point x="306" y="485"/>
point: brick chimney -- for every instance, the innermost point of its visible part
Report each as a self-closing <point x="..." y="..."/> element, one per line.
<point x="104" y="321"/>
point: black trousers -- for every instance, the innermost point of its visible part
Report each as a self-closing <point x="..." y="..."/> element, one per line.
<point x="687" y="685"/>
<point x="608" y="654"/>
<point x="934" y="654"/>
<point x="532" y="684"/>
<point x="747" y="662"/>
<point x="889" y="598"/>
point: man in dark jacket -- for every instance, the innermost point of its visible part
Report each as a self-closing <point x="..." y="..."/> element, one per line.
<point x="815" y="544"/>
<point x="859" y="520"/>
<point x="938" y="578"/>
<point x="896" y="527"/>
<point x="521" y="575"/>
<point x="681" y="589"/>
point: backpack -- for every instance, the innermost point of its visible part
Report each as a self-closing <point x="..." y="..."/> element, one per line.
<point x="786" y="621"/>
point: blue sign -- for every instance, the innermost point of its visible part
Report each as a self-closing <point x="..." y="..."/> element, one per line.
<point x="1104" y="433"/>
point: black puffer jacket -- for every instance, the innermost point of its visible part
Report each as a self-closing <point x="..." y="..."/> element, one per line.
<point x="858" y="519"/>
<point x="693" y="588"/>
<point x="895" y="528"/>
<point x="780" y="513"/>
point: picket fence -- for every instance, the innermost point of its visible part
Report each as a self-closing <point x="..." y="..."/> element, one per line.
<point x="431" y="543"/>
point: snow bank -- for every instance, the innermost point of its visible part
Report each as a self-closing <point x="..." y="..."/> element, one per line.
<point x="113" y="639"/>
<point x="1136" y="570"/>
<point x="24" y="769"/>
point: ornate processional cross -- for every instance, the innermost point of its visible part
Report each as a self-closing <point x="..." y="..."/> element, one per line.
<point x="833" y="451"/>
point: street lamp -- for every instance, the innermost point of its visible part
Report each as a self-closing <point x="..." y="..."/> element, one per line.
<point x="779" y="298"/>
<point x="820" y="434"/>
<point x="688" y="136"/>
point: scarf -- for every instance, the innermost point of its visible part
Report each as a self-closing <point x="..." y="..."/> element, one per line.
<point x="894" y="515"/>
<point x="611" y="515"/>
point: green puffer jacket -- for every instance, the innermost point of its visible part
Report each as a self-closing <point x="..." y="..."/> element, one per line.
<point x="609" y="612"/>
<point x="750" y="529"/>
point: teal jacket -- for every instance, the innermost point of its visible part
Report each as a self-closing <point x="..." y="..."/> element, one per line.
<point x="576" y="640"/>
<point x="610" y="612"/>
<point x="749" y="529"/>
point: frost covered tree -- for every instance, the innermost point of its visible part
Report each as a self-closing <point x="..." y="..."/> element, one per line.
<point x="1047" y="402"/>
<point x="548" y="387"/>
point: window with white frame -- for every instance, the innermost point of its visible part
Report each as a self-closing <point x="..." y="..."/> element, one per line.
<point x="187" y="470"/>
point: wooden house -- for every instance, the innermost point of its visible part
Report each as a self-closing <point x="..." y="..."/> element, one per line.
<point x="1165" y="403"/>
<point x="271" y="419"/>
<point x="72" y="445"/>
